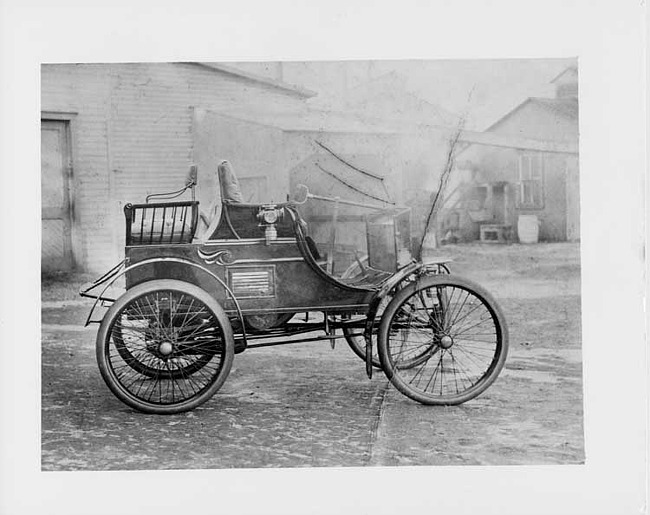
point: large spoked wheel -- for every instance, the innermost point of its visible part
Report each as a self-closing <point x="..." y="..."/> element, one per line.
<point x="165" y="347"/>
<point x="442" y="340"/>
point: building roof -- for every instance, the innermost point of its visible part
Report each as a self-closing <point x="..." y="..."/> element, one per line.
<point x="305" y="118"/>
<point x="573" y="70"/>
<point x="388" y="98"/>
<point x="266" y="81"/>
<point x="509" y="141"/>
<point x="565" y="107"/>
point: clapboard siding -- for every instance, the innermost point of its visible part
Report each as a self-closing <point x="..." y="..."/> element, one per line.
<point x="133" y="135"/>
<point x="84" y="90"/>
<point x="151" y="130"/>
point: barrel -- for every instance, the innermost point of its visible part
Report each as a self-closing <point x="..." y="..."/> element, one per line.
<point x="528" y="229"/>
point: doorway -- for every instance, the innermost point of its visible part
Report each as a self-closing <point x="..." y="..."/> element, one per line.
<point x="56" y="212"/>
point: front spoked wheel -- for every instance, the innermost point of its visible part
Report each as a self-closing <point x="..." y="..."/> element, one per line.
<point x="165" y="347"/>
<point x="442" y="340"/>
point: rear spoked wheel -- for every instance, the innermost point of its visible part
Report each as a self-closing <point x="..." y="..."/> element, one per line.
<point x="165" y="347"/>
<point x="442" y="340"/>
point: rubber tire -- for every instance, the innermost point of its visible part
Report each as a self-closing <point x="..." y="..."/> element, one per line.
<point x="107" y="323"/>
<point x="392" y="373"/>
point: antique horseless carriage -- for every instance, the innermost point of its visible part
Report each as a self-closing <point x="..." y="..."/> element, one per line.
<point x="254" y="277"/>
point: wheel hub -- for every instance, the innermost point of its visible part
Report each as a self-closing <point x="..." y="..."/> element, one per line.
<point x="446" y="341"/>
<point x="165" y="348"/>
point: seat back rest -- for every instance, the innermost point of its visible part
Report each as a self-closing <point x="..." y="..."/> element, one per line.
<point x="230" y="188"/>
<point x="229" y="192"/>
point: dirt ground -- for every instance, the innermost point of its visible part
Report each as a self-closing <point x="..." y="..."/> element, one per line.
<point x="307" y="405"/>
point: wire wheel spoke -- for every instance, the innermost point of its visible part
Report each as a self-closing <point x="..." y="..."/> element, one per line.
<point x="444" y="340"/>
<point x="165" y="347"/>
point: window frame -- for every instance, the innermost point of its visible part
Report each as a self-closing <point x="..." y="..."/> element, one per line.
<point x="532" y="176"/>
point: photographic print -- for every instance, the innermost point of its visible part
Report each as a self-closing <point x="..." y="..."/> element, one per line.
<point x="288" y="264"/>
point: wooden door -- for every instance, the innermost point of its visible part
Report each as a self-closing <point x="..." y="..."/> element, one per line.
<point x="56" y="220"/>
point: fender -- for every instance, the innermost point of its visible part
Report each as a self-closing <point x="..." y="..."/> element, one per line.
<point x="119" y="270"/>
<point x="435" y="265"/>
<point x="421" y="268"/>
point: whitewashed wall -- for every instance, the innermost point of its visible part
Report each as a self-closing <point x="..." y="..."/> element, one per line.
<point x="84" y="91"/>
<point x="132" y="135"/>
<point x="254" y="150"/>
